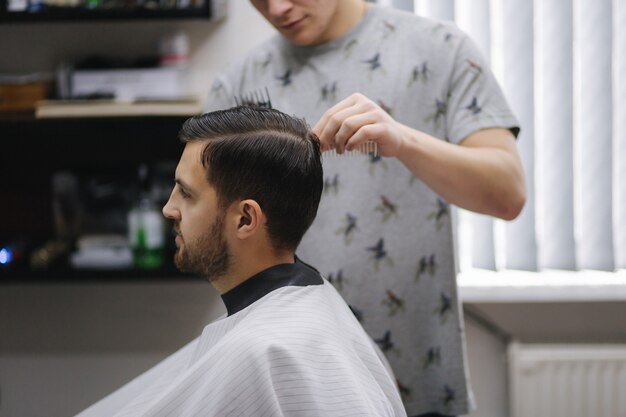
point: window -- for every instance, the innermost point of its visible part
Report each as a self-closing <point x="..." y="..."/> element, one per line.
<point x="562" y="66"/>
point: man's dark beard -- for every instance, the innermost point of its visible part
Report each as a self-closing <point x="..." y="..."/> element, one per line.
<point x="208" y="256"/>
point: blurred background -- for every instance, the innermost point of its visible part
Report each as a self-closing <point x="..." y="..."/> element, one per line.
<point x="92" y="95"/>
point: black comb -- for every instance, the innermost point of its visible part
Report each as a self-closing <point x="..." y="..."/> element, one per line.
<point x="255" y="98"/>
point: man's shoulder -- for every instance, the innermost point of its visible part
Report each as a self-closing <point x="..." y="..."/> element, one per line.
<point x="302" y="311"/>
<point x="286" y="318"/>
<point x="421" y="27"/>
<point x="412" y="20"/>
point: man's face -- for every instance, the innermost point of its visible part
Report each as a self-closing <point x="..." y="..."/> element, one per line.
<point x="302" y="22"/>
<point x="201" y="246"/>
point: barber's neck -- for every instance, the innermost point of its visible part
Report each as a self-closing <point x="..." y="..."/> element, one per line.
<point x="349" y="13"/>
<point x="248" y="262"/>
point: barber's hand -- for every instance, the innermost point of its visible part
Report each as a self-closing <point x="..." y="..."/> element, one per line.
<point x="355" y="120"/>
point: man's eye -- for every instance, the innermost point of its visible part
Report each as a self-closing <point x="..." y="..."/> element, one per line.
<point x="184" y="194"/>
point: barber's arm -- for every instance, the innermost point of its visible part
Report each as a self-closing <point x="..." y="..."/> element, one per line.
<point x="483" y="174"/>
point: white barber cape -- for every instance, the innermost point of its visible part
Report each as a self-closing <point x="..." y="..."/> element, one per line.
<point x="290" y="346"/>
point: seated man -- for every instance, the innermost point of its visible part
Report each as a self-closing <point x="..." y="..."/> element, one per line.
<point x="248" y="186"/>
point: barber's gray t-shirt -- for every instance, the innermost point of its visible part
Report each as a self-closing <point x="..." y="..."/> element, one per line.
<point x="381" y="236"/>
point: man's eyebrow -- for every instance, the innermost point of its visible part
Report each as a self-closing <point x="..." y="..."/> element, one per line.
<point x="183" y="185"/>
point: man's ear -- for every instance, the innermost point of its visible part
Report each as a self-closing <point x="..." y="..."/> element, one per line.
<point x="250" y="218"/>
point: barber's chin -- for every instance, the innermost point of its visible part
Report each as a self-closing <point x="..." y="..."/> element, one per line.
<point x="301" y="40"/>
<point x="301" y="37"/>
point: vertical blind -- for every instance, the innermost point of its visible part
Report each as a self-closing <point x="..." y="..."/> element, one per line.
<point x="562" y="66"/>
<point x="619" y="131"/>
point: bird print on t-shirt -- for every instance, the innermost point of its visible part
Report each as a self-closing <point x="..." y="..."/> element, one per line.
<point x="373" y="62"/>
<point x="285" y="79"/>
<point x="426" y="264"/>
<point x="444" y="308"/>
<point x="379" y="254"/>
<point x="473" y="107"/>
<point x="432" y="357"/>
<point x="420" y="73"/>
<point x="387" y="208"/>
<point x="328" y="92"/>
<point x="393" y="302"/>
<point x="442" y="210"/>
<point x="436" y="118"/>
<point x="331" y="184"/>
<point x="348" y="229"/>
<point x="336" y="279"/>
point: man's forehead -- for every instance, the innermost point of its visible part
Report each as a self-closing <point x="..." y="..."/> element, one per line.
<point x="194" y="150"/>
<point x="192" y="154"/>
<point x="190" y="163"/>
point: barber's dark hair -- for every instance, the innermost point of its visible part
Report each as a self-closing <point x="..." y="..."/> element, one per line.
<point x="265" y="155"/>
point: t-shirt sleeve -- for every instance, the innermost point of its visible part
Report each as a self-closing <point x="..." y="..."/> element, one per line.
<point x="475" y="101"/>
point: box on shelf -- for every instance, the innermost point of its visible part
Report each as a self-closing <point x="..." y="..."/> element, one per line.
<point x="130" y="84"/>
<point x="22" y="96"/>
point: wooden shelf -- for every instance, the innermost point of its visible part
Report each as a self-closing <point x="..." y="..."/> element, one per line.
<point x="110" y="108"/>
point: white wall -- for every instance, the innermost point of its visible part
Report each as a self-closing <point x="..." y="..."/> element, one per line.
<point x="31" y="47"/>
<point x="487" y="360"/>
<point x="64" y="346"/>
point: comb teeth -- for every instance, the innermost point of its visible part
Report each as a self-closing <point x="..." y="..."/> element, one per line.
<point x="368" y="148"/>
<point x="258" y="98"/>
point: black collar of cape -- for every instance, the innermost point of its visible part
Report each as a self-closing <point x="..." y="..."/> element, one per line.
<point x="256" y="287"/>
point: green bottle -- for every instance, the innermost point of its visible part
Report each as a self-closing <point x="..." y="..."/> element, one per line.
<point x="146" y="227"/>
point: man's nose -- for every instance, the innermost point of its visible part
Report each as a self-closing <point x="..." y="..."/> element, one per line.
<point x="168" y="209"/>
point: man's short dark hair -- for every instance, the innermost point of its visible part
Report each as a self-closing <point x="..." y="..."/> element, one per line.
<point x="265" y="155"/>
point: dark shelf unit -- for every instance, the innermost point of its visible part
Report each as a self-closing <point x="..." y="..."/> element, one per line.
<point x="32" y="150"/>
<point x="67" y="275"/>
<point x="79" y="14"/>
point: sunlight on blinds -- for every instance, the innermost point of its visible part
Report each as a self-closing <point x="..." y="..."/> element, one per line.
<point x="562" y="66"/>
<point x="554" y="121"/>
<point x="513" y="47"/>
<point x="593" y="134"/>
<point x="619" y="131"/>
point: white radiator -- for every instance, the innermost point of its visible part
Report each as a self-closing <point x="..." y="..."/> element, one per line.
<point x="567" y="380"/>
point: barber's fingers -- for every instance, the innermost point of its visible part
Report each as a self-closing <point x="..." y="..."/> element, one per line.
<point x="351" y="126"/>
<point x="333" y="122"/>
<point x="371" y="132"/>
<point x="343" y="104"/>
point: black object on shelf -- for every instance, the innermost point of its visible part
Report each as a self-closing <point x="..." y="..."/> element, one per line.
<point x="90" y="10"/>
<point x="34" y="151"/>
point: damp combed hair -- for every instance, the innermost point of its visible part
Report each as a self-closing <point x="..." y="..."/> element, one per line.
<point x="265" y="155"/>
